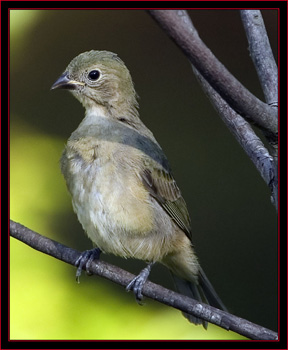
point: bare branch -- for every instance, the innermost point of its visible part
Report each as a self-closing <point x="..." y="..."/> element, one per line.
<point x="151" y="290"/>
<point x="265" y="65"/>
<point x="178" y="25"/>
<point x="246" y="137"/>
<point x="235" y="104"/>
<point x="261" y="54"/>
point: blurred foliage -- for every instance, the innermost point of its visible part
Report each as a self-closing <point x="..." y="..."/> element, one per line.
<point x="233" y="221"/>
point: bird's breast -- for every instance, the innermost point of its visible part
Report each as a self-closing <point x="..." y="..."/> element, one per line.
<point x="108" y="196"/>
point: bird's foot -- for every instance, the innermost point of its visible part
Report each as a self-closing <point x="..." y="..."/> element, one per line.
<point x="136" y="285"/>
<point x="86" y="259"/>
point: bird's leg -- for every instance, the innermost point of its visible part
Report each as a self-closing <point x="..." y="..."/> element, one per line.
<point x="136" y="285"/>
<point x="86" y="259"/>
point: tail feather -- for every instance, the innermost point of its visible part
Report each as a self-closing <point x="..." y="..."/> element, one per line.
<point x="209" y="292"/>
<point x="203" y="292"/>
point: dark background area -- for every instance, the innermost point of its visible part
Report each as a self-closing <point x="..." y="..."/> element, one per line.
<point x="233" y="221"/>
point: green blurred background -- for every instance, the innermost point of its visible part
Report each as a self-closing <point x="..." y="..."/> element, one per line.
<point x="234" y="224"/>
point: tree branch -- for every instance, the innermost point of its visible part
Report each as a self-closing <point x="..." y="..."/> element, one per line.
<point x="261" y="54"/>
<point x="246" y="137"/>
<point x="151" y="290"/>
<point x="235" y="104"/>
<point x="179" y="27"/>
<point x="266" y="68"/>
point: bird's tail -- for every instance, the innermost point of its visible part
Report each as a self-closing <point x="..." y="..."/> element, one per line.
<point x="203" y="292"/>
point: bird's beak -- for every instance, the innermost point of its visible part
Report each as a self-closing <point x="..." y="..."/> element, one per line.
<point x="64" y="82"/>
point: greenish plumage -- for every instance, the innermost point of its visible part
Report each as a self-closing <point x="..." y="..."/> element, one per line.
<point x="164" y="189"/>
<point x="120" y="180"/>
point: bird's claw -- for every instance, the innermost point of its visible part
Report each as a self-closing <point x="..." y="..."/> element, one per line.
<point x="85" y="259"/>
<point x="136" y="285"/>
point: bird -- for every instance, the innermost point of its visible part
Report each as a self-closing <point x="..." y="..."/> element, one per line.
<point x="121" y="183"/>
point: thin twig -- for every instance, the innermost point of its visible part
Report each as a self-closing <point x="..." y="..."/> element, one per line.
<point x="151" y="290"/>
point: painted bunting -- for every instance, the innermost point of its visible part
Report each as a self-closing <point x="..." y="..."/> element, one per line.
<point x="120" y="180"/>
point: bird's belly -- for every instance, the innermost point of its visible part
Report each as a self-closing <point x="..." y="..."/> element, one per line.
<point x="115" y="211"/>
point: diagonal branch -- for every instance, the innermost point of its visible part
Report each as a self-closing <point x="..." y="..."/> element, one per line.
<point x="151" y="290"/>
<point x="178" y="25"/>
<point x="261" y="54"/>
<point x="246" y="137"/>
<point x="266" y="68"/>
<point x="235" y="104"/>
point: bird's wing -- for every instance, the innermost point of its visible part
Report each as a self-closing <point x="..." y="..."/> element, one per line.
<point x="162" y="186"/>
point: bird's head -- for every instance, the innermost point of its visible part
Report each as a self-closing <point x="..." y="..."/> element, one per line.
<point x="100" y="79"/>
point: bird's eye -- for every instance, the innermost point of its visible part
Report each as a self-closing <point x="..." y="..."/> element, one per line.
<point x="94" y="75"/>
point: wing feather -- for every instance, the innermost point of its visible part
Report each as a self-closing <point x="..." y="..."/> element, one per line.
<point x="163" y="188"/>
